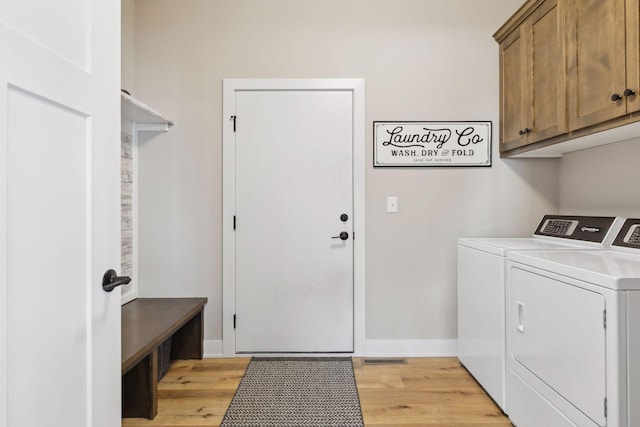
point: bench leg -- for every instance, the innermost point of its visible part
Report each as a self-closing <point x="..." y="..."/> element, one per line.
<point x="187" y="342"/>
<point x="140" y="389"/>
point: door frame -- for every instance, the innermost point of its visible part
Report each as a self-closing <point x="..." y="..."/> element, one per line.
<point x="229" y="88"/>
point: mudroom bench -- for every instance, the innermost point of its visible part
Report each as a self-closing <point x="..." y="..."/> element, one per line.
<point x="154" y="329"/>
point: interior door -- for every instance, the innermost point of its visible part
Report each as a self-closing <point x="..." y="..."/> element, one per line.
<point x="59" y="212"/>
<point x="294" y="198"/>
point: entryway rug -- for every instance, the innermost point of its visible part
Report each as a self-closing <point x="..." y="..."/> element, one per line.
<point x="296" y="392"/>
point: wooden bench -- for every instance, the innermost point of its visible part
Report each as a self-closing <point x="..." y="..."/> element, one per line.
<point x="146" y="324"/>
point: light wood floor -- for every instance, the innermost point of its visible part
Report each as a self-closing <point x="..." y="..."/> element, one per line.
<point x="434" y="392"/>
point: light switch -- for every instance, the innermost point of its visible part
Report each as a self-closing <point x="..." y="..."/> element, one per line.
<point x="392" y="204"/>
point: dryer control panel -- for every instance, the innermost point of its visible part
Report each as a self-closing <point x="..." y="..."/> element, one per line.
<point x="583" y="228"/>
<point x="559" y="227"/>
<point x="629" y="235"/>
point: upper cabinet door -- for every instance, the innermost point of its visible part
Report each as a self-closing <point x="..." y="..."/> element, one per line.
<point x="547" y="91"/>
<point x="512" y="79"/>
<point x="533" y="79"/>
<point x="633" y="55"/>
<point x="596" y="61"/>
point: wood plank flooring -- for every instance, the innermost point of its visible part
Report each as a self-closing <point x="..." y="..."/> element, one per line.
<point x="434" y="392"/>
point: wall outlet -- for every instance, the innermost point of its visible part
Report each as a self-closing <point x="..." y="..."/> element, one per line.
<point x="392" y="204"/>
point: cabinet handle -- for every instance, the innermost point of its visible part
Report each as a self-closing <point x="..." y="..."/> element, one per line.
<point x="520" y="132"/>
<point x="629" y="92"/>
<point x="524" y="132"/>
<point x="616" y="97"/>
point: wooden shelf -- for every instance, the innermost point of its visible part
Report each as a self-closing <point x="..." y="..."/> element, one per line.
<point x="138" y="112"/>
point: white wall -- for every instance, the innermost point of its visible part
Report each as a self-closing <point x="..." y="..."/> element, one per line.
<point x="602" y="181"/>
<point x="422" y="60"/>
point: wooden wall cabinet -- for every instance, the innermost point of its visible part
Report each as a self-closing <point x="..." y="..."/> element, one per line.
<point x="602" y="47"/>
<point x="532" y="76"/>
<point x="568" y="69"/>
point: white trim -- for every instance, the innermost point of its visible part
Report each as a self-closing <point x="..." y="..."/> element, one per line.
<point x="229" y="87"/>
<point x="212" y="349"/>
<point x="151" y="127"/>
<point x="412" y="348"/>
<point x="4" y="252"/>
<point x="134" y="210"/>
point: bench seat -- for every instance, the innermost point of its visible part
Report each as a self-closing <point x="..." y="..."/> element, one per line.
<point x="146" y="324"/>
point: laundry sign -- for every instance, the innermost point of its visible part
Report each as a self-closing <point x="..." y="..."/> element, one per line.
<point x="432" y="144"/>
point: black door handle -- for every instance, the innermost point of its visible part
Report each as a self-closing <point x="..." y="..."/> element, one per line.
<point x="111" y="280"/>
<point x="342" y="236"/>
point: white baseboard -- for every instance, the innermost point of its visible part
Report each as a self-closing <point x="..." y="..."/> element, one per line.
<point x="412" y="348"/>
<point x="378" y="348"/>
<point x="212" y="348"/>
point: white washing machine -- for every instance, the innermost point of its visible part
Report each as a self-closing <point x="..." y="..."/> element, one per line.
<point x="482" y="290"/>
<point x="573" y="335"/>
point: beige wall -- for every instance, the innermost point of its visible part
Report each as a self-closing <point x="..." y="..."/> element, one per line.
<point x="602" y="181"/>
<point x="128" y="52"/>
<point x="422" y="60"/>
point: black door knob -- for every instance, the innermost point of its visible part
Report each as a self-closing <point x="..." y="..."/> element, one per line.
<point x="520" y="132"/>
<point x="344" y="217"/>
<point x="111" y="280"/>
<point x="342" y="236"/>
<point x="629" y="92"/>
<point x="616" y="97"/>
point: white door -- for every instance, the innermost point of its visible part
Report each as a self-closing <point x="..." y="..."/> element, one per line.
<point x="59" y="212"/>
<point x="294" y="197"/>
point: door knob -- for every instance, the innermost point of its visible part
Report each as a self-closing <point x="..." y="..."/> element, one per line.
<point x="616" y="97"/>
<point x="629" y="92"/>
<point x="111" y="280"/>
<point x="342" y="236"/>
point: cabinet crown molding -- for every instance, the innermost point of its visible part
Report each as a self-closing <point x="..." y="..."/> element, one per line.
<point x="516" y="19"/>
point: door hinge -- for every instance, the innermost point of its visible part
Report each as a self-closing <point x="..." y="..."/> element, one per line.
<point x="234" y="321"/>
<point x="605" y="407"/>
<point x="234" y="122"/>
<point x="604" y="319"/>
<point x="234" y="222"/>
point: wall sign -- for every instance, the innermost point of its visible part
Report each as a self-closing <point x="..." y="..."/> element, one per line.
<point x="431" y="143"/>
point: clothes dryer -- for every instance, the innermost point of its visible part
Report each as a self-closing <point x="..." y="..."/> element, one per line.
<point x="482" y="290"/>
<point x="573" y="335"/>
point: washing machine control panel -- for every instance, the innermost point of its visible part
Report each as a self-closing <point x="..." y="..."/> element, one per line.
<point x="559" y="227"/>
<point x="594" y="229"/>
<point x="629" y="235"/>
<point x="633" y="236"/>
